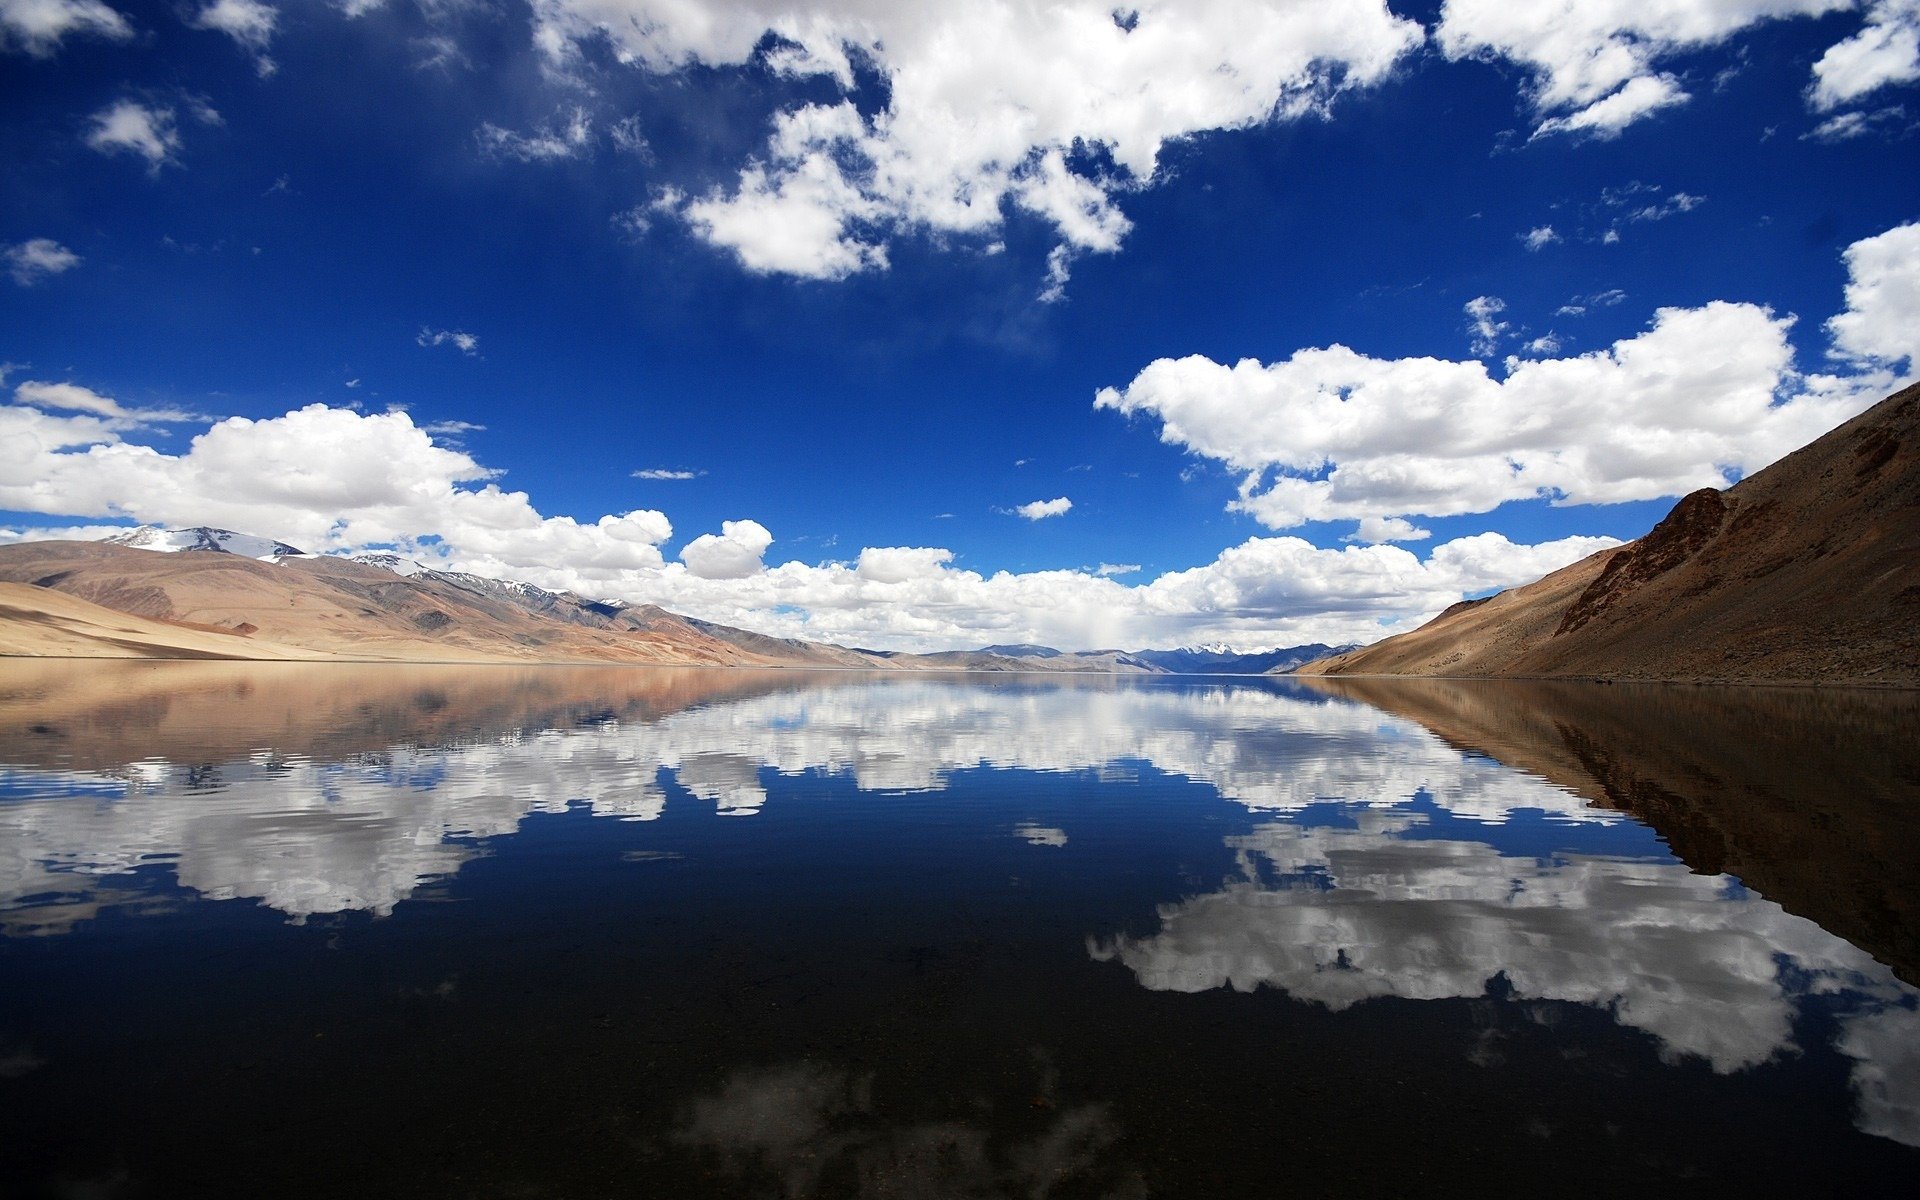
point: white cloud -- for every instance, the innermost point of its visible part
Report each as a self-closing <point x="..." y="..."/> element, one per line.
<point x="733" y="553"/>
<point x="38" y="26"/>
<point x="666" y="473"/>
<point x="1595" y="64"/>
<point x="1109" y="570"/>
<point x="1606" y="118"/>
<point x="569" y="134"/>
<point x="1332" y="434"/>
<point x="1539" y="237"/>
<point x="446" y="429"/>
<point x="1053" y="288"/>
<point x="1886" y="51"/>
<point x="467" y="343"/>
<point x="1882" y="321"/>
<point x="898" y="564"/>
<point x="72" y="397"/>
<point x="1388" y="529"/>
<point x="329" y="479"/>
<point x="248" y="22"/>
<point x="129" y="127"/>
<point x="322" y="478"/>
<point x="990" y="106"/>
<point x="1674" y="205"/>
<point x="39" y="258"/>
<point x="1483" y="319"/>
<point x="1039" y="510"/>
<point x="1546" y="344"/>
<point x="1841" y="127"/>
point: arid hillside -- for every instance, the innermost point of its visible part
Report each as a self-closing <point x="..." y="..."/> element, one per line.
<point x="197" y="603"/>
<point x="1806" y="572"/>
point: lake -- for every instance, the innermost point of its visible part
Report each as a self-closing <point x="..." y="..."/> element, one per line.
<point x="324" y="930"/>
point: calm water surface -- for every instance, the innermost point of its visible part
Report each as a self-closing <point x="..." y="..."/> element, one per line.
<point x="286" y="930"/>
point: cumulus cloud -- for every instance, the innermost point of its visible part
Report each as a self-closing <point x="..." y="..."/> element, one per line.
<point x="1597" y="66"/>
<point x="899" y="564"/>
<point x="248" y="22"/>
<point x="39" y="26"/>
<point x="322" y="478"/>
<point x="39" y="258"/>
<point x="1333" y="434"/>
<point x="1039" y="510"/>
<point x="567" y="135"/>
<point x="1388" y="529"/>
<point x="733" y="553"/>
<point x="1049" y="109"/>
<point x="130" y="127"/>
<point x="329" y="479"/>
<point x="1882" y="320"/>
<point x="1886" y="51"/>
<point x="467" y="343"/>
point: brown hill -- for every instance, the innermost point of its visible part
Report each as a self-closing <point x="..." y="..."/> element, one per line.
<point x="1806" y="572"/>
<point x="213" y="604"/>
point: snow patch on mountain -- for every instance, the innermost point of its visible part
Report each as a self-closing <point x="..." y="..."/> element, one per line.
<point x="204" y="537"/>
<point x="404" y="567"/>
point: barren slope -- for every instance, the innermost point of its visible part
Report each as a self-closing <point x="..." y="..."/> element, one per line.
<point x="346" y="610"/>
<point x="38" y="622"/>
<point x="1808" y="571"/>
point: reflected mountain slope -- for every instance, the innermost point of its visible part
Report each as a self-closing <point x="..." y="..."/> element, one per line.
<point x="1811" y="798"/>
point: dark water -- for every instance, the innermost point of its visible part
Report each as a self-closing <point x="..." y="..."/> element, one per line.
<point x="491" y="932"/>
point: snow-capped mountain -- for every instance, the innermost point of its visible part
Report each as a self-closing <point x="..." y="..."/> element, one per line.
<point x="404" y="567"/>
<point x="204" y="537"/>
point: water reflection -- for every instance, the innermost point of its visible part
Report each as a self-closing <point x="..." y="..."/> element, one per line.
<point x="367" y="827"/>
<point x="811" y="1130"/>
<point x="1674" y="863"/>
<point x="1341" y="915"/>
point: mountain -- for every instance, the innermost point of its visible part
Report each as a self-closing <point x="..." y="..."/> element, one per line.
<point x="204" y="537"/>
<point x="213" y="593"/>
<point x="1022" y="650"/>
<point x="1211" y="659"/>
<point x="324" y="606"/>
<point x="1807" y="572"/>
<point x="1223" y="660"/>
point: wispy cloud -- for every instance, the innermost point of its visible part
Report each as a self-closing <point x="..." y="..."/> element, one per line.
<point x="73" y="397"/>
<point x="667" y="473"/>
<point x="465" y="342"/>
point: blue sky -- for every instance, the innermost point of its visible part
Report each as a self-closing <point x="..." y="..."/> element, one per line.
<point x="862" y="270"/>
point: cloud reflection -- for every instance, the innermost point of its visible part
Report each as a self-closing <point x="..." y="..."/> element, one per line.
<point x="307" y="836"/>
<point x="1336" y="916"/>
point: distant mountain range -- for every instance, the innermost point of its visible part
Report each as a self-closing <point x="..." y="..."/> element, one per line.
<point x="1188" y="660"/>
<point x="202" y="592"/>
<point x="1807" y="571"/>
